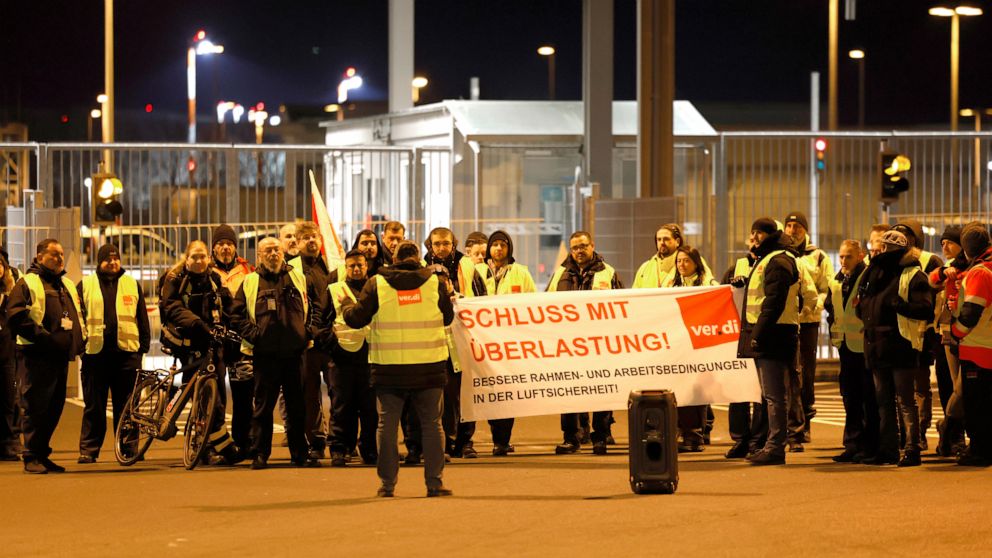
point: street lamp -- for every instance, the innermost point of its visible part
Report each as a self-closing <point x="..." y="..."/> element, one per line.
<point x="858" y="56"/>
<point x="549" y="51"/>
<point x="977" y="113"/>
<point x="94" y="114"/>
<point x="418" y="83"/>
<point x="200" y="46"/>
<point x="955" y="15"/>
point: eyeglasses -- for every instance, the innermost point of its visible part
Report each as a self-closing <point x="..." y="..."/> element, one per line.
<point x="579" y="247"/>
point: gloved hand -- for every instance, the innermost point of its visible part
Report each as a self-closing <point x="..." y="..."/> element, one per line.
<point x="243" y="370"/>
<point x="739" y="281"/>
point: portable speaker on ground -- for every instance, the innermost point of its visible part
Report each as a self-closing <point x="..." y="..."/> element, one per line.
<point x="653" y="422"/>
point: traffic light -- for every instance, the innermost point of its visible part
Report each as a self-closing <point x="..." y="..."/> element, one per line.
<point x="892" y="170"/>
<point x="820" y="145"/>
<point x="105" y="200"/>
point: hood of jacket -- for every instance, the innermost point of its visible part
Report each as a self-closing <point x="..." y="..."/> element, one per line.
<point x="500" y="235"/>
<point x="380" y="254"/>
<point x="595" y="265"/>
<point x="46" y="274"/>
<point x="775" y="241"/>
<point x="406" y="275"/>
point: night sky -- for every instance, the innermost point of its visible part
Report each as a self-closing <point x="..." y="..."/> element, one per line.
<point x="295" y="51"/>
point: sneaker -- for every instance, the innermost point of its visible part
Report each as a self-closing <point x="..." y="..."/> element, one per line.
<point x="338" y="459"/>
<point x="259" y="462"/>
<point x="500" y="450"/>
<point x="468" y="452"/>
<point x="910" y="459"/>
<point x="966" y="459"/>
<point x="34" y="467"/>
<point x="384" y="492"/>
<point x="796" y="447"/>
<point x="599" y="448"/>
<point x="51" y="466"/>
<point x="439" y="491"/>
<point x="85" y="459"/>
<point x="766" y="458"/>
<point x="566" y="448"/>
<point x="848" y="456"/>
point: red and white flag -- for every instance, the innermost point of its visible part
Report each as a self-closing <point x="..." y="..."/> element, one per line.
<point x="331" y="250"/>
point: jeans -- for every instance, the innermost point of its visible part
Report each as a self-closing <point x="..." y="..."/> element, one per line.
<point x="458" y="434"/>
<point x="316" y="365"/>
<point x="894" y="385"/>
<point x="857" y="388"/>
<point x="748" y="424"/>
<point x="977" y="383"/>
<point x="42" y="388"/>
<point x="771" y="374"/>
<point x="808" y="336"/>
<point x="272" y="373"/>
<point x="427" y="404"/>
<point x="354" y="417"/>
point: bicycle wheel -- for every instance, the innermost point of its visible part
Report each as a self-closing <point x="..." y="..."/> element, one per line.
<point x="131" y="440"/>
<point x="201" y="416"/>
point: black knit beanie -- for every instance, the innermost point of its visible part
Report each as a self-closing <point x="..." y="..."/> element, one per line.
<point x="766" y="225"/>
<point x="952" y="233"/>
<point x="105" y="252"/>
<point x="974" y="239"/>
<point x="798" y="217"/>
<point x="224" y="232"/>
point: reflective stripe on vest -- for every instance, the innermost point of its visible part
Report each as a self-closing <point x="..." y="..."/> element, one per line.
<point x="349" y="339"/>
<point x="36" y="310"/>
<point x="250" y="288"/>
<point x="602" y="280"/>
<point x="756" y="293"/>
<point x="911" y="330"/>
<point x="127" y="312"/>
<point x="408" y="328"/>
<point x="847" y="328"/>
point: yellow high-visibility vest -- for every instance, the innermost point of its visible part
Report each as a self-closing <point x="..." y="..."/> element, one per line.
<point x="756" y="293"/>
<point x="909" y="329"/>
<point x="602" y="280"/>
<point x="466" y="271"/>
<point x="349" y="339"/>
<point x="517" y="279"/>
<point x="408" y="328"/>
<point x="847" y="328"/>
<point x="742" y="267"/>
<point x="981" y="334"/>
<point x="36" y="310"/>
<point x="127" y="314"/>
<point x="652" y="272"/>
<point x="250" y="287"/>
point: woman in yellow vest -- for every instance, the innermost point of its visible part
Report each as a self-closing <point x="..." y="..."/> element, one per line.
<point x="44" y="314"/>
<point x="895" y="303"/>
<point x="117" y="337"/>
<point x="690" y="272"/>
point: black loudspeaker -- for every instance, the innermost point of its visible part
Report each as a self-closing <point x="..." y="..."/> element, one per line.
<point x="652" y="417"/>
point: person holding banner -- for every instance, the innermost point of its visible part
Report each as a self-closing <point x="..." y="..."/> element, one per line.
<point x="353" y="413"/>
<point x="502" y="275"/>
<point x="583" y="270"/>
<point x="316" y="362"/>
<point x="447" y="261"/>
<point x="668" y="240"/>
<point x="407" y="307"/>
<point x="689" y="272"/>
<point x="770" y="328"/>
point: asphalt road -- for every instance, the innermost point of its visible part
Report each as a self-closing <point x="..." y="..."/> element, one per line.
<point x="532" y="503"/>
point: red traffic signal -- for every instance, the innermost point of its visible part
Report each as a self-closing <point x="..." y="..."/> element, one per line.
<point x="191" y="165"/>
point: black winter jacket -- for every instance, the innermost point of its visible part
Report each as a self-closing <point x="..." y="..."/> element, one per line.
<point x="771" y="339"/>
<point x="188" y="302"/>
<point x="879" y="304"/>
<point x="50" y="340"/>
<point x="281" y="327"/>
<point x="108" y="289"/>
<point x="405" y="275"/>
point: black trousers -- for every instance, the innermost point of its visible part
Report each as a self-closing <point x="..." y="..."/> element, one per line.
<point x="457" y="434"/>
<point x="978" y="407"/>
<point x="808" y="337"/>
<point x="242" y="403"/>
<point x="895" y="387"/>
<point x="692" y="419"/>
<point x="109" y="372"/>
<point x="857" y="390"/>
<point x="316" y="366"/>
<point x="354" y="418"/>
<point x="42" y="385"/>
<point x="219" y="437"/>
<point x="748" y="424"/>
<point x="271" y="374"/>
<point x="601" y="421"/>
<point x="945" y="385"/>
<point x="9" y="413"/>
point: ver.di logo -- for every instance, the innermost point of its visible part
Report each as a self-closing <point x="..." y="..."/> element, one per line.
<point x="711" y="318"/>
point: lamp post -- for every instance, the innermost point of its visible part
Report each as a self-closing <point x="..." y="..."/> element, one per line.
<point x="549" y="51"/>
<point x="93" y="115"/>
<point x="858" y="56"/>
<point x="977" y="113"/>
<point x="200" y="46"/>
<point x="955" y="14"/>
<point x="418" y="83"/>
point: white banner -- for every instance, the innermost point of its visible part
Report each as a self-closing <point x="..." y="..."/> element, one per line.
<point x="547" y="353"/>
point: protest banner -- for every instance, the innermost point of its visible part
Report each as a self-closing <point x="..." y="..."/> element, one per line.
<point x="548" y="353"/>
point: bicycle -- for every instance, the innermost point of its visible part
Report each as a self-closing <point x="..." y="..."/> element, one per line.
<point x="150" y="414"/>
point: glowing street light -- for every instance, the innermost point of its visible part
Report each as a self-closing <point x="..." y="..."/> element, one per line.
<point x="418" y="83"/>
<point x="955" y="14"/>
<point x="93" y="115"/>
<point x="201" y="46"/>
<point x="549" y="51"/>
<point x="351" y="81"/>
<point x="858" y="56"/>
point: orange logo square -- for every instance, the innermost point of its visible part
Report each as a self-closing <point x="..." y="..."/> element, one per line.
<point x="515" y="289"/>
<point x="711" y="318"/>
<point x="409" y="297"/>
<point x="129" y="300"/>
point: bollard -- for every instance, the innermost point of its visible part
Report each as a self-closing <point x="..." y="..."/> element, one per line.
<point x="652" y="419"/>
